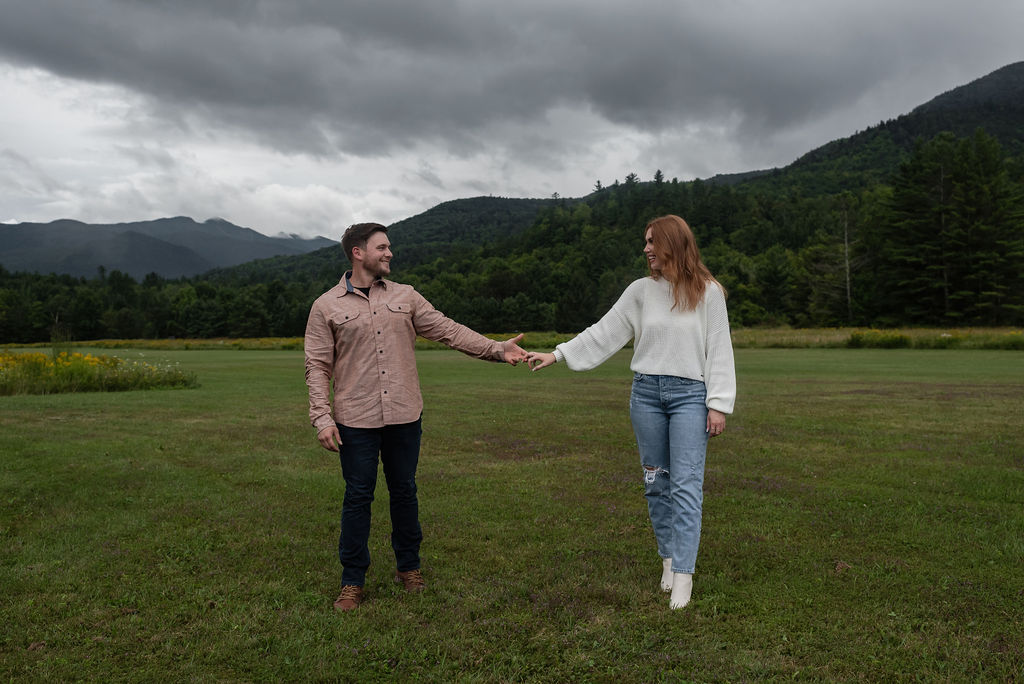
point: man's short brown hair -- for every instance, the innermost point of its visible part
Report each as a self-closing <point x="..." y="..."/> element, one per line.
<point x="357" y="235"/>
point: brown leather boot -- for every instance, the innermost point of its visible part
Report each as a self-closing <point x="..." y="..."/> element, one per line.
<point x="349" y="599"/>
<point x="412" y="580"/>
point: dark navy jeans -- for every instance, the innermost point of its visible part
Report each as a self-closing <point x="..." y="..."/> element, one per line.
<point x="398" y="447"/>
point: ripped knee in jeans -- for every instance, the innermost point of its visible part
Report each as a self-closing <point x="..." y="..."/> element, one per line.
<point x="651" y="472"/>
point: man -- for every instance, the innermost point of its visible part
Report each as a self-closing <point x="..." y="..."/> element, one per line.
<point x="361" y="335"/>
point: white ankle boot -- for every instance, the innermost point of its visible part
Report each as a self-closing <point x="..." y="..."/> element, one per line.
<point x="682" y="587"/>
<point x="666" y="574"/>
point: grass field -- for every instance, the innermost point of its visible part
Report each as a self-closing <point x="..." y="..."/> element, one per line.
<point x="864" y="521"/>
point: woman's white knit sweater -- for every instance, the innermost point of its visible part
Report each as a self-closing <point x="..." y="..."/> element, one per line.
<point x="688" y="344"/>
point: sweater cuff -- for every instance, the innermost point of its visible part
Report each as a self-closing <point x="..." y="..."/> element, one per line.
<point x="721" y="405"/>
<point x="559" y="356"/>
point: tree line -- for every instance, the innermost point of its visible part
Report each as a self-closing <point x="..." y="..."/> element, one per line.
<point x="940" y="242"/>
<point x="36" y="308"/>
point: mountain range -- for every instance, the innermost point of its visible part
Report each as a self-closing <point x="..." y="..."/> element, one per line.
<point x="181" y="247"/>
<point x="170" y="247"/>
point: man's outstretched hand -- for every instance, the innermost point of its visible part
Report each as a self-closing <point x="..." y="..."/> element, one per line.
<point x="513" y="352"/>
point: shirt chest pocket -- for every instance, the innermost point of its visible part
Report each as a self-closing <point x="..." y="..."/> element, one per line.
<point x="399" y="316"/>
<point x="400" y="308"/>
<point x="345" y="321"/>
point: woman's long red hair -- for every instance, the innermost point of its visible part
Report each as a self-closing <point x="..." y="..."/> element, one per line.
<point x="676" y="249"/>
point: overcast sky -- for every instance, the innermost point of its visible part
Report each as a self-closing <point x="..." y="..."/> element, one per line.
<point x="305" y="116"/>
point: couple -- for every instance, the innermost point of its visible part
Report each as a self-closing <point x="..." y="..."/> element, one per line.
<point x="361" y="335"/>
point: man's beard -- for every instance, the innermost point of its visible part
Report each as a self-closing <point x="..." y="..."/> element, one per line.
<point x="380" y="269"/>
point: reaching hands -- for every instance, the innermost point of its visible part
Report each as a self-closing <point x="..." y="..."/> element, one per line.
<point x="535" y="360"/>
<point x="538" y="360"/>
<point x="513" y="352"/>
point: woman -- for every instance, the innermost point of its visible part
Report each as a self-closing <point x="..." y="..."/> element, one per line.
<point x="684" y="384"/>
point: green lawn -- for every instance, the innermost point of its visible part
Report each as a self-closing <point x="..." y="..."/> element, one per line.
<point x="864" y="521"/>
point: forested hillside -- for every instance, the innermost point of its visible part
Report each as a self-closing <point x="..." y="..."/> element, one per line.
<point x="942" y="243"/>
<point x="264" y="297"/>
<point x="915" y="222"/>
<point x="994" y="103"/>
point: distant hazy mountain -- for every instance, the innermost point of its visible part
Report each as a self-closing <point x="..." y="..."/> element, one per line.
<point x="170" y="247"/>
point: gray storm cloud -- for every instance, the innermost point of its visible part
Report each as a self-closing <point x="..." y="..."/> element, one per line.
<point x="363" y="77"/>
<point x="525" y="88"/>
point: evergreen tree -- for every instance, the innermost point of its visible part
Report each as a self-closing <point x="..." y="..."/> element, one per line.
<point x="987" y="284"/>
<point x="955" y="247"/>
<point x="923" y="236"/>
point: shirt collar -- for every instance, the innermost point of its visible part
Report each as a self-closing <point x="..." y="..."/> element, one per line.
<point x="349" y="288"/>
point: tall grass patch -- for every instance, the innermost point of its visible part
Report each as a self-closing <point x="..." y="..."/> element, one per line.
<point x="875" y="338"/>
<point x="65" y="371"/>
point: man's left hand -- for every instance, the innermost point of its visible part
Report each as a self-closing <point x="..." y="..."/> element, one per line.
<point x="512" y="351"/>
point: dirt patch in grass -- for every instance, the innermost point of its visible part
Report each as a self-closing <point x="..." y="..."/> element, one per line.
<point x="716" y="481"/>
<point x="1004" y="644"/>
<point x="872" y="392"/>
<point x="515" y="448"/>
<point x="942" y="391"/>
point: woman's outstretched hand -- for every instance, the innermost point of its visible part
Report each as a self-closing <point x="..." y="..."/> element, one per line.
<point x="538" y="360"/>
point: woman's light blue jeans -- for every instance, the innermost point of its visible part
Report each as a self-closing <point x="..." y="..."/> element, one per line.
<point x="670" y="422"/>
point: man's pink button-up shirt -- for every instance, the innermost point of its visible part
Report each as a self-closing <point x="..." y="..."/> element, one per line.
<point x="367" y="346"/>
